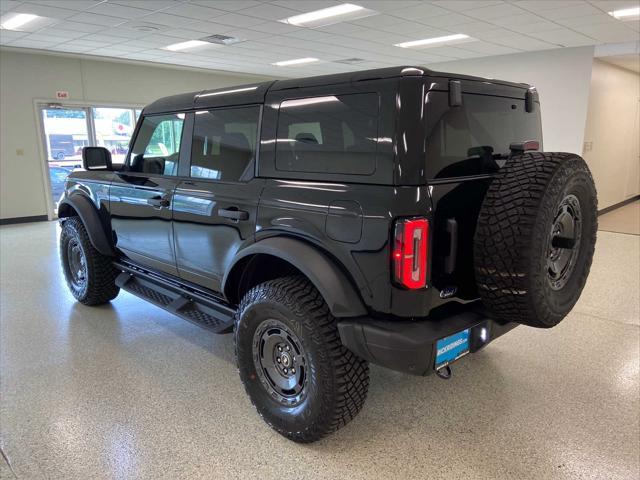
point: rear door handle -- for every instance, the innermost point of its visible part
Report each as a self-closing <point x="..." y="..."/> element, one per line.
<point x="233" y="213"/>
<point x="158" y="202"/>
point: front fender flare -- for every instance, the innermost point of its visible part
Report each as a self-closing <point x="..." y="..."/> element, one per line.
<point x="90" y="217"/>
<point x="342" y="298"/>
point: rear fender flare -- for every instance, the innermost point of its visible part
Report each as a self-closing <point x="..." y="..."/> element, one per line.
<point x="342" y="298"/>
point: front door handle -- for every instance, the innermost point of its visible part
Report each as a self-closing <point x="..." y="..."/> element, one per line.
<point x="233" y="213"/>
<point x="158" y="202"/>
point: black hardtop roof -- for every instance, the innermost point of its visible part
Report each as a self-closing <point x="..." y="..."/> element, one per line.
<point x="255" y="92"/>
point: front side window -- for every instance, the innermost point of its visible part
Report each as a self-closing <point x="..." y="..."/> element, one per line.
<point x="157" y="147"/>
<point x="224" y="143"/>
<point x="330" y="134"/>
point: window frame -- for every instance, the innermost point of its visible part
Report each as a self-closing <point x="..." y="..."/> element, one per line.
<point x="317" y="172"/>
<point x="187" y="125"/>
<point x="386" y="89"/>
<point x="251" y="170"/>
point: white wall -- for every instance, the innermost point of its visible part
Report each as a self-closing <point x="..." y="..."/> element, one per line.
<point x="612" y="133"/>
<point x="25" y="77"/>
<point x="562" y="78"/>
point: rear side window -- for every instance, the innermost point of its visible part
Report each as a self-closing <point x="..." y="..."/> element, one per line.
<point x="329" y="134"/>
<point x="224" y="143"/>
<point x="157" y="145"/>
<point x="474" y="139"/>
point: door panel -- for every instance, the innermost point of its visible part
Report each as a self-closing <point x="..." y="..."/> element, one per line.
<point x="142" y="192"/>
<point x="141" y="219"/>
<point x="207" y="237"/>
<point x="214" y="212"/>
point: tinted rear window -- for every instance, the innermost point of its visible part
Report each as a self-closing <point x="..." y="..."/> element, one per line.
<point x="328" y="134"/>
<point x="473" y="138"/>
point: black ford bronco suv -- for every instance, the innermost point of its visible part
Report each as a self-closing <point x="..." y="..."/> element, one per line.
<point x="398" y="216"/>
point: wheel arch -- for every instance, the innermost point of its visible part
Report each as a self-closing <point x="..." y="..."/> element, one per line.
<point x="278" y="256"/>
<point x="83" y="207"/>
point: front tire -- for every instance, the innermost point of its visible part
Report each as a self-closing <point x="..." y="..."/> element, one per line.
<point x="90" y="276"/>
<point x="298" y="375"/>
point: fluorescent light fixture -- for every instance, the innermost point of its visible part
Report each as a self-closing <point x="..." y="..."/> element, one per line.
<point x="184" y="45"/>
<point x="327" y="16"/>
<point x="434" y="41"/>
<point x="626" y="13"/>
<point x="300" y="102"/>
<point x="224" y="92"/>
<point x="18" y="21"/>
<point x="296" y="61"/>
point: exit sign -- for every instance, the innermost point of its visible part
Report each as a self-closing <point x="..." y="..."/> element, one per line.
<point x="62" y="95"/>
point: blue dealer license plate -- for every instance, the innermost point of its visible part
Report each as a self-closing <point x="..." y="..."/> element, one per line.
<point x="451" y="348"/>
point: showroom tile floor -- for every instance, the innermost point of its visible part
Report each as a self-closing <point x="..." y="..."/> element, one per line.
<point x="128" y="391"/>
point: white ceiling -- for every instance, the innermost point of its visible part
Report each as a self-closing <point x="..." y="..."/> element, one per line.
<point x="108" y="28"/>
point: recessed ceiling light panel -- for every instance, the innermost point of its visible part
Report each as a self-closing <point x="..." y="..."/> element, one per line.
<point x="295" y="61"/>
<point x="437" y="41"/>
<point x="24" y="22"/>
<point x="176" y="47"/>
<point x="626" y="13"/>
<point x="328" y="16"/>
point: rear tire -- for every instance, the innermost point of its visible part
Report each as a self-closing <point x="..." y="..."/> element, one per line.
<point x="285" y="324"/>
<point x="90" y="276"/>
<point x="535" y="238"/>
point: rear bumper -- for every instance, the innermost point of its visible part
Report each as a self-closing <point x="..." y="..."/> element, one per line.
<point x="410" y="346"/>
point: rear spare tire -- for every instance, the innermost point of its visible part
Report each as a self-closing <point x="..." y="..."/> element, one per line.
<point x="535" y="238"/>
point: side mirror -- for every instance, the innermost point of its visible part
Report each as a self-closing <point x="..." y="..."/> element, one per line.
<point x="96" y="158"/>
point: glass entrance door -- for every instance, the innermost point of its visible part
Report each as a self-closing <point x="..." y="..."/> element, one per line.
<point x="66" y="131"/>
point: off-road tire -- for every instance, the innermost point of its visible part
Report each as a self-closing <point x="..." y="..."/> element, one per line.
<point x="513" y="241"/>
<point x="99" y="285"/>
<point x="337" y="381"/>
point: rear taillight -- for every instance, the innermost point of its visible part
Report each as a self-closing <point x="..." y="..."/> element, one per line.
<point x="410" y="249"/>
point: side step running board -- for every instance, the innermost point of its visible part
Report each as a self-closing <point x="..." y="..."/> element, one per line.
<point x="190" y="305"/>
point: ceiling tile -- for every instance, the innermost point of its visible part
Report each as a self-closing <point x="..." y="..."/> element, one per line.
<point x="9" y="35"/>
<point x="487" y="48"/>
<point x="464" y="5"/>
<point x="115" y="10"/>
<point x="540" y="5"/>
<point x="151" y="5"/>
<point x="563" y="37"/>
<point x="607" y="33"/>
<point x="419" y="11"/>
<point x="95" y="19"/>
<point x="57" y="32"/>
<point x="6" y="5"/>
<point x="78" y="26"/>
<point x="196" y="12"/>
<point x="523" y="42"/>
<point x="269" y="12"/>
<point x="227" y="5"/>
<point x="210" y="28"/>
<point x="238" y="20"/>
<point x="573" y="11"/>
<point x="165" y="19"/>
<point x="26" y="43"/>
<point x="493" y="11"/>
<point x="388" y="6"/>
<point x="43" y="10"/>
<point x="70" y="4"/>
<point x="276" y="27"/>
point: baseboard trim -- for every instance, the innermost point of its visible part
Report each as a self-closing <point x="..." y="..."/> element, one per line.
<point x="618" y="205"/>
<point x="15" y="220"/>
